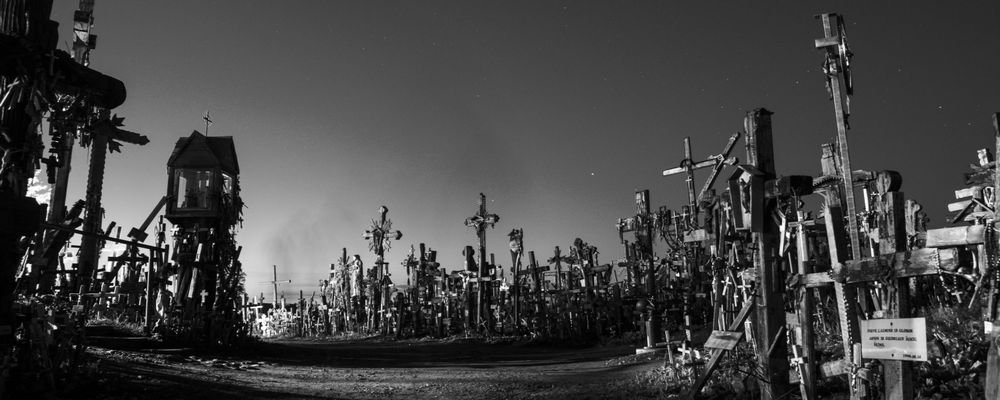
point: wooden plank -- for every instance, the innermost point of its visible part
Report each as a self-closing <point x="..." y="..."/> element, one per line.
<point x="827" y="41"/>
<point x="959" y="205"/>
<point x="817" y="279"/>
<point x="917" y="262"/>
<point x="956" y="236"/>
<point x="717" y="353"/>
<point x="698" y="165"/>
<point x="791" y="320"/>
<point x="699" y="235"/>
<point x="827" y="370"/>
<point x="723" y="340"/>
<point x="974" y="191"/>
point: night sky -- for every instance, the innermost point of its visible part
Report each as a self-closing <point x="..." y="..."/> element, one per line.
<point x="558" y="111"/>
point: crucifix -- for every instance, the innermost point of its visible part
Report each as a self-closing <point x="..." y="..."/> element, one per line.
<point x="380" y="235"/>
<point x="479" y="222"/>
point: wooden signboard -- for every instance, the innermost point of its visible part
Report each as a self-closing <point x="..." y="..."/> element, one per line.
<point x="724" y="340"/>
<point x="894" y="339"/>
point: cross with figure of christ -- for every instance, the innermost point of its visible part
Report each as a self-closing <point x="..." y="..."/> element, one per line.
<point x="479" y="222"/>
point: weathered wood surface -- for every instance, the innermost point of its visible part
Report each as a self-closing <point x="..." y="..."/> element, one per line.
<point x="956" y="236"/>
<point x="898" y="376"/>
<point x="724" y="340"/>
<point x="769" y="318"/>
<point x="927" y="261"/>
<point x="717" y="354"/>
<point x="825" y="370"/>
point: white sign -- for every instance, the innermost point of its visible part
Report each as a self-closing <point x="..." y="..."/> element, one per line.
<point x="894" y="339"/>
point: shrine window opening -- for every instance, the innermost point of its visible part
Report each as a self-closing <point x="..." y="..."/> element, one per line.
<point x="193" y="187"/>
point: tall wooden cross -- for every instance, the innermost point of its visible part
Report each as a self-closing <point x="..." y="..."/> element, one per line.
<point x="480" y="221"/>
<point x="837" y="69"/>
<point x="688" y="166"/>
<point x="276" y="282"/>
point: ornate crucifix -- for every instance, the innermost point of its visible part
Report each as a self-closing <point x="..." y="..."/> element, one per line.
<point x="479" y="222"/>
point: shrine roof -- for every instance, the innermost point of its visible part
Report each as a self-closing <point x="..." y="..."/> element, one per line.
<point x="199" y="150"/>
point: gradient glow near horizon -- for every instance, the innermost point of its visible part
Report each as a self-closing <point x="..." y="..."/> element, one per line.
<point x="558" y="111"/>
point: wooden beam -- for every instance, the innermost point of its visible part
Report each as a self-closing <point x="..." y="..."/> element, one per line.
<point x="817" y="279"/>
<point x="898" y="377"/>
<point x="769" y="317"/>
<point x="956" y="236"/>
<point x="717" y="354"/>
<point x="905" y="264"/>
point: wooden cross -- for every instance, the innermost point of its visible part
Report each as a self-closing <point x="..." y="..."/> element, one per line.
<point x="838" y="80"/>
<point x="558" y="259"/>
<point x="275" y="282"/>
<point x="688" y="166"/>
<point x="480" y="221"/>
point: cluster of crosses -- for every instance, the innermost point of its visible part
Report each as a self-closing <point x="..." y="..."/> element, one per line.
<point x="570" y="297"/>
<point x="752" y="264"/>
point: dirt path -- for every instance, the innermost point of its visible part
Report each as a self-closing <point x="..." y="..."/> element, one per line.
<point x="369" y="369"/>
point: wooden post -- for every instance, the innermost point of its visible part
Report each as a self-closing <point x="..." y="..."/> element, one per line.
<point x="898" y="374"/>
<point x="807" y="383"/>
<point x="835" y="234"/>
<point x="769" y="318"/>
